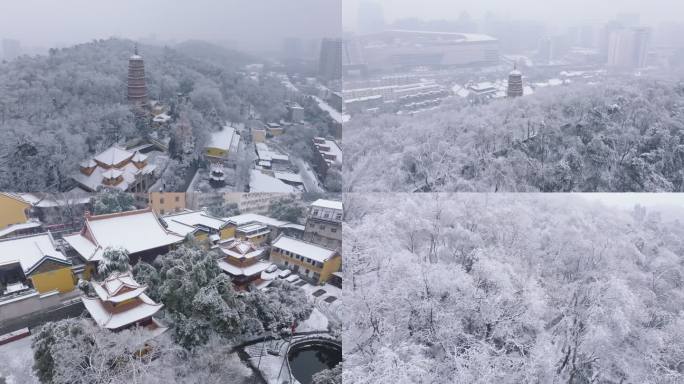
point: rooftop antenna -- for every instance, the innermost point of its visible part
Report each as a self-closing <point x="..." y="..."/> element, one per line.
<point x="136" y="48"/>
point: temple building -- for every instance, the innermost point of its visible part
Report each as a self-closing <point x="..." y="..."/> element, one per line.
<point x="310" y="261"/>
<point x="515" y="83"/>
<point x="116" y="168"/>
<point x="34" y="261"/>
<point x="14" y="216"/>
<point x="137" y="89"/>
<point x="121" y="302"/>
<point x="243" y="261"/>
<point x="139" y="232"/>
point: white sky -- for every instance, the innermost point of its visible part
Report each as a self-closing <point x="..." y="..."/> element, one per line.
<point x="552" y="11"/>
<point x="250" y="22"/>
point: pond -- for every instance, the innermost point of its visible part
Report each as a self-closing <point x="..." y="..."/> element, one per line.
<point x="311" y="358"/>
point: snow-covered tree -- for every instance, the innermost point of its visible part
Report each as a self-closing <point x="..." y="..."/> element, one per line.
<point x="112" y="201"/>
<point x="113" y="260"/>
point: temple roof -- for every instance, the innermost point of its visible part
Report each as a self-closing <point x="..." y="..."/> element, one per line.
<point x="135" y="231"/>
<point x="241" y="249"/>
<point x="302" y="248"/>
<point x="30" y="251"/>
<point x="111" y="318"/>
<point x="114" y="155"/>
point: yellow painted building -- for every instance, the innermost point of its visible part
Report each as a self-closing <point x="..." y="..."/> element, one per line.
<point x="306" y="259"/>
<point x="13" y="210"/>
<point x="163" y="203"/>
<point x="35" y="259"/>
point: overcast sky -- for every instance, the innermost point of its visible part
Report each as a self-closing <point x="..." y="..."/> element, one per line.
<point x="263" y="23"/>
<point x="553" y="11"/>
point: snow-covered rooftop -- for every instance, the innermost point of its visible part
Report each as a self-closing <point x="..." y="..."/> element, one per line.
<point x="113" y="155"/>
<point x="18" y="227"/>
<point x="192" y="219"/>
<point x="288" y="176"/>
<point x="327" y="204"/>
<point x="135" y="231"/>
<point x="250" y="270"/>
<point x="104" y="317"/>
<point x="248" y="218"/>
<point x="302" y="248"/>
<point x="30" y="251"/>
<point x="225" y="139"/>
<point x="259" y="182"/>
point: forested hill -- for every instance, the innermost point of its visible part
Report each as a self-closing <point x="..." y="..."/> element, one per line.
<point x="57" y="109"/>
<point x="515" y="288"/>
<point x="617" y="136"/>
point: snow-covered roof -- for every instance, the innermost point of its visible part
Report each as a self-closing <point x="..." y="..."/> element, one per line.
<point x="302" y="248"/>
<point x="241" y="249"/>
<point x="193" y="219"/>
<point x="104" y="316"/>
<point x="16" y="197"/>
<point x="259" y="182"/>
<point x="118" y="288"/>
<point x="161" y="118"/>
<point x="129" y="172"/>
<point x="135" y="231"/>
<point x="18" y="227"/>
<point x="50" y="201"/>
<point x="327" y="204"/>
<point x="250" y="270"/>
<point x="30" y="251"/>
<point x="113" y="155"/>
<point x="223" y="139"/>
<point x="334" y="151"/>
<point x="288" y="176"/>
<point x="248" y="218"/>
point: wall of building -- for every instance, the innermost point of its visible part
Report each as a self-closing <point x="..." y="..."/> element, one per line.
<point x="167" y="202"/>
<point x="61" y="279"/>
<point x="33" y="304"/>
<point x="12" y="211"/>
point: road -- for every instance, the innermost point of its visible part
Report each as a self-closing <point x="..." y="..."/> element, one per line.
<point x="34" y="320"/>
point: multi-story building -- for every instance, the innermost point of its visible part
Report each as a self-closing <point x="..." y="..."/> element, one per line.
<point x="223" y="144"/>
<point x="515" y="84"/>
<point x="324" y="223"/>
<point x="137" y="88"/>
<point x="400" y="49"/>
<point x="254" y="202"/>
<point x="628" y="47"/>
<point x="330" y="62"/>
<point x="310" y="261"/>
<point x="327" y="154"/>
<point x="167" y="202"/>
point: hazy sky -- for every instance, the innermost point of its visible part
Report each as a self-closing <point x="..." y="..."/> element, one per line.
<point x="249" y="22"/>
<point x="553" y="11"/>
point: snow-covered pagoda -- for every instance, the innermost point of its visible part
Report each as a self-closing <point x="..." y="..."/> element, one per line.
<point x="137" y="88"/>
<point x="121" y="303"/>
<point x="243" y="261"/>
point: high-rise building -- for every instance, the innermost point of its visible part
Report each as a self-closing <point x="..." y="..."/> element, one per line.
<point x="11" y="49"/>
<point x="515" y="83"/>
<point x="628" y="47"/>
<point x="137" y="89"/>
<point x="330" y="63"/>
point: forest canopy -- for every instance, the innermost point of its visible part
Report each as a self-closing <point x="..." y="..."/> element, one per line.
<point x="511" y="289"/>
<point x="615" y="136"/>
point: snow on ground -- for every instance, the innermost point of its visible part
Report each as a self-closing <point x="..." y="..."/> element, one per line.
<point x="316" y="322"/>
<point x="334" y="113"/>
<point x="16" y="360"/>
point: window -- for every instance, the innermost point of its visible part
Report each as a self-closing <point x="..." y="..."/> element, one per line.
<point x="338" y="216"/>
<point x="322" y="226"/>
<point x="317" y="276"/>
<point x="306" y="272"/>
<point x="326" y="215"/>
<point x="286" y="263"/>
<point x="333" y="230"/>
<point x="315" y="212"/>
<point x="161" y="200"/>
<point x="161" y="211"/>
<point x="177" y="199"/>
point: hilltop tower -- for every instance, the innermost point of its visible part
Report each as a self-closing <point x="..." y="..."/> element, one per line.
<point x="137" y="89"/>
<point x="515" y="83"/>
